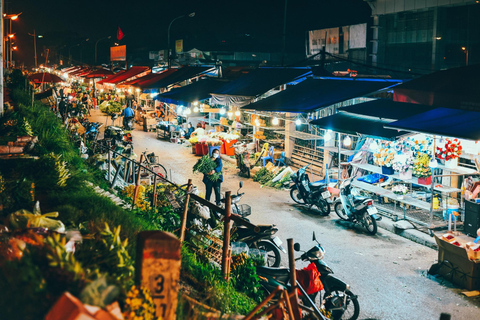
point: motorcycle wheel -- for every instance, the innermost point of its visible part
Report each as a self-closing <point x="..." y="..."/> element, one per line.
<point x="340" y="211"/>
<point x="369" y="223"/>
<point x="295" y="195"/>
<point x="323" y="206"/>
<point x="273" y="254"/>
<point x="351" y="310"/>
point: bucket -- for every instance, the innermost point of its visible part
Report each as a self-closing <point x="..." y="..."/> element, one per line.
<point x="211" y="148"/>
<point x="451" y="164"/>
<point x="450" y="210"/>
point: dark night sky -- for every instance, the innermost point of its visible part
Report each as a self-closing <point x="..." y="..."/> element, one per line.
<point x="218" y="24"/>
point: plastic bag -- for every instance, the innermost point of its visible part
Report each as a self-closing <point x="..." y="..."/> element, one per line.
<point x="373" y="178"/>
<point x="22" y="219"/>
<point x="309" y="279"/>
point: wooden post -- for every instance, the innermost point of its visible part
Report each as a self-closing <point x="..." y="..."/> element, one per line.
<point x="293" y="279"/>
<point x="109" y="159"/>
<point x="287" y="302"/>
<point x="185" y="212"/>
<point x="226" y="234"/>
<point x="158" y="268"/>
<point x="263" y="303"/>
<point x="135" y="193"/>
<point x="154" y="204"/>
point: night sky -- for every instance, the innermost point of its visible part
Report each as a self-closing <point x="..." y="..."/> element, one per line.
<point x="227" y="25"/>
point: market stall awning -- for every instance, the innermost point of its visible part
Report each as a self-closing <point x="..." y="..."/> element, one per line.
<point x="99" y="73"/>
<point x="79" y="71"/>
<point x="180" y="75"/>
<point x="452" y="88"/>
<point x="110" y="77"/>
<point x="44" y="77"/>
<point x="313" y="94"/>
<point x="443" y="122"/>
<point x="130" y="73"/>
<point x="196" y="91"/>
<point x="357" y="124"/>
<point x="260" y="81"/>
<point x="386" y="109"/>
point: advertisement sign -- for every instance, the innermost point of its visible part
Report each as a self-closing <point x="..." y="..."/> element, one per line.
<point x="118" y="53"/>
<point x="179" y="46"/>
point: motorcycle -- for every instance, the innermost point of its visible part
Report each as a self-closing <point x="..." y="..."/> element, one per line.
<point x="357" y="209"/>
<point x="260" y="237"/>
<point x="337" y="298"/>
<point x="92" y="129"/>
<point x="243" y="158"/>
<point x="302" y="191"/>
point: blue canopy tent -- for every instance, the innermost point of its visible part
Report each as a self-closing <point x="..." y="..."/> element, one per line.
<point x="180" y="75"/>
<point x="386" y="109"/>
<point x="313" y="94"/>
<point x="197" y="91"/>
<point x="442" y="122"/>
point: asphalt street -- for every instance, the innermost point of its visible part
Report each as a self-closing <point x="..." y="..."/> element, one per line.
<point x="386" y="271"/>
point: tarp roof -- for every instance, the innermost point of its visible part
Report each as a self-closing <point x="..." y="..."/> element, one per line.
<point x="119" y="77"/>
<point x="313" y="94"/>
<point x="357" y="124"/>
<point x="196" y="91"/>
<point x="99" y="73"/>
<point x="452" y="88"/>
<point x="78" y="71"/>
<point x="443" y="122"/>
<point x="261" y="80"/>
<point x="386" y="109"/>
<point x="111" y="77"/>
<point x="151" y="78"/>
<point x="180" y="75"/>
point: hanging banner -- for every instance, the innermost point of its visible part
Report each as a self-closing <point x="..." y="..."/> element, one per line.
<point x="118" y="53"/>
<point x="179" y="46"/>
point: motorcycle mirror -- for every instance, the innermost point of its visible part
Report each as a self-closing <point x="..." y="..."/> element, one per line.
<point x="296" y="246"/>
<point x="313" y="238"/>
<point x="240" y="184"/>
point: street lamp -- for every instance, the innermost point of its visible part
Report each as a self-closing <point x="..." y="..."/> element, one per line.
<point x="10" y="17"/>
<point x="466" y="54"/>
<point x="190" y="15"/>
<point x="34" y="35"/>
<point x="96" y="43"/>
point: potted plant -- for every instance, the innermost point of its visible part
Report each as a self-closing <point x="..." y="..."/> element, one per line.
<point x="400" y="190"/>
<point x="422" y="170"/>
<point x="450" y="152"/>
<point x="403" y="163"/>
<point x="384" y="158"/>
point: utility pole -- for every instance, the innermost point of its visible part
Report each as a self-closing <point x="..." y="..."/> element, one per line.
<point x="34" y="35"/>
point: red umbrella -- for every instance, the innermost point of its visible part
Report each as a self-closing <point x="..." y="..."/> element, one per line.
<point x="43" y="77"/>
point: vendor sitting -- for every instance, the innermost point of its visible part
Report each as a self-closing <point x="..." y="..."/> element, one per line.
<point x="189" y="131"/>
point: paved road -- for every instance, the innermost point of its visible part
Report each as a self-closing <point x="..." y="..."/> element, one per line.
<point x="386" y="271"/>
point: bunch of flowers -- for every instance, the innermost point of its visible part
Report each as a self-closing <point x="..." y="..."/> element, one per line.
<point x="214" y="142"/>
<point x="400" y="189"/>
<point x="140" y="201"/>
<point x="413" y="146"/>
<point x="193" y="139"/>
<point x="421" y="167"/>
<point x="402" y="163"/>
<point x="139" y="305"/>
<point x="451" y="150"/>
<point x="384" y="157"/>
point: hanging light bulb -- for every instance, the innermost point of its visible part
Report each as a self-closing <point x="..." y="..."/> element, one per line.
<point x="373" y="146"/>
<point x="222" y="111"/>
<point x="298" y="122"/>
<point x="195" y="103"/>
<point x="179" y="109"/>
<point x="188" y="111"/>
<point x="195" y="109"/>
<point x="230" y="114"/>
<point x="347" y="141"/>
<point x="328" y="135"/>
<point x="237" y="113"/>
<point x="275" y="121"/>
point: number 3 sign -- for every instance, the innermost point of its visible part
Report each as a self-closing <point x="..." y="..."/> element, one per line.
<point x="158" y="269"/>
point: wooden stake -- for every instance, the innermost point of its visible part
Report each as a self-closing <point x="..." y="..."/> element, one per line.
<point x="154" y="204"/>
<point x="185" y="211"/>
<point x="135" y="193"/>
<point x="263" y="303"/>
<point x="293" y="278"/>
<point x="226" y="234"/>
<point x="289" y="305"/>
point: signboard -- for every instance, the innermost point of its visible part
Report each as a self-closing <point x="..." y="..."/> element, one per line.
<point x="179" y="46"/>
<point x="158" y="269"/>
<point x="118" y="53"/>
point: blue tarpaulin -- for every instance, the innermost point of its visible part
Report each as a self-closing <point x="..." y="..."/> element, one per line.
<point x="196" y="91"/>
<point x="442" y="122"/>
<point x="313" y="94"/>
<point x="180" y="75"/>
<point x="386" y="109"/>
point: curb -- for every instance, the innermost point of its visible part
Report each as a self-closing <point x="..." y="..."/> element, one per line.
<point x="411" y="234"/>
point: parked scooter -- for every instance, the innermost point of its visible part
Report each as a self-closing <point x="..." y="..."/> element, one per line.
<point x="260" y="237"/>
<point x="302" y="191"/>
<point x="356" y="209"/>
<point x="243" y="158"/>
<point x="337" y="298"/>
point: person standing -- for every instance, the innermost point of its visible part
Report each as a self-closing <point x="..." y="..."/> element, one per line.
<point x="214" y="185"/>
<point x="62" y="108"/>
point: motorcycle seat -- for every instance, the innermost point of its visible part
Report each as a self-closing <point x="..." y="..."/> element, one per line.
<point x="359" y="199"/>
<point x="316" y="184"/>
<point x="277" y="273"/>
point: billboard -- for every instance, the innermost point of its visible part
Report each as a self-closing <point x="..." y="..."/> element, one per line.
<point x="118" y="53"/>
<point x="179" y="46"/>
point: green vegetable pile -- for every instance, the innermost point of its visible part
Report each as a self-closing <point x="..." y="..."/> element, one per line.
<point x="263" y="176"/>
<point x="206" y="165"/>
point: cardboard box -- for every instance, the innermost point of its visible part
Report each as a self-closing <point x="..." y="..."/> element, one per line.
<point x="68" y="307"/>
